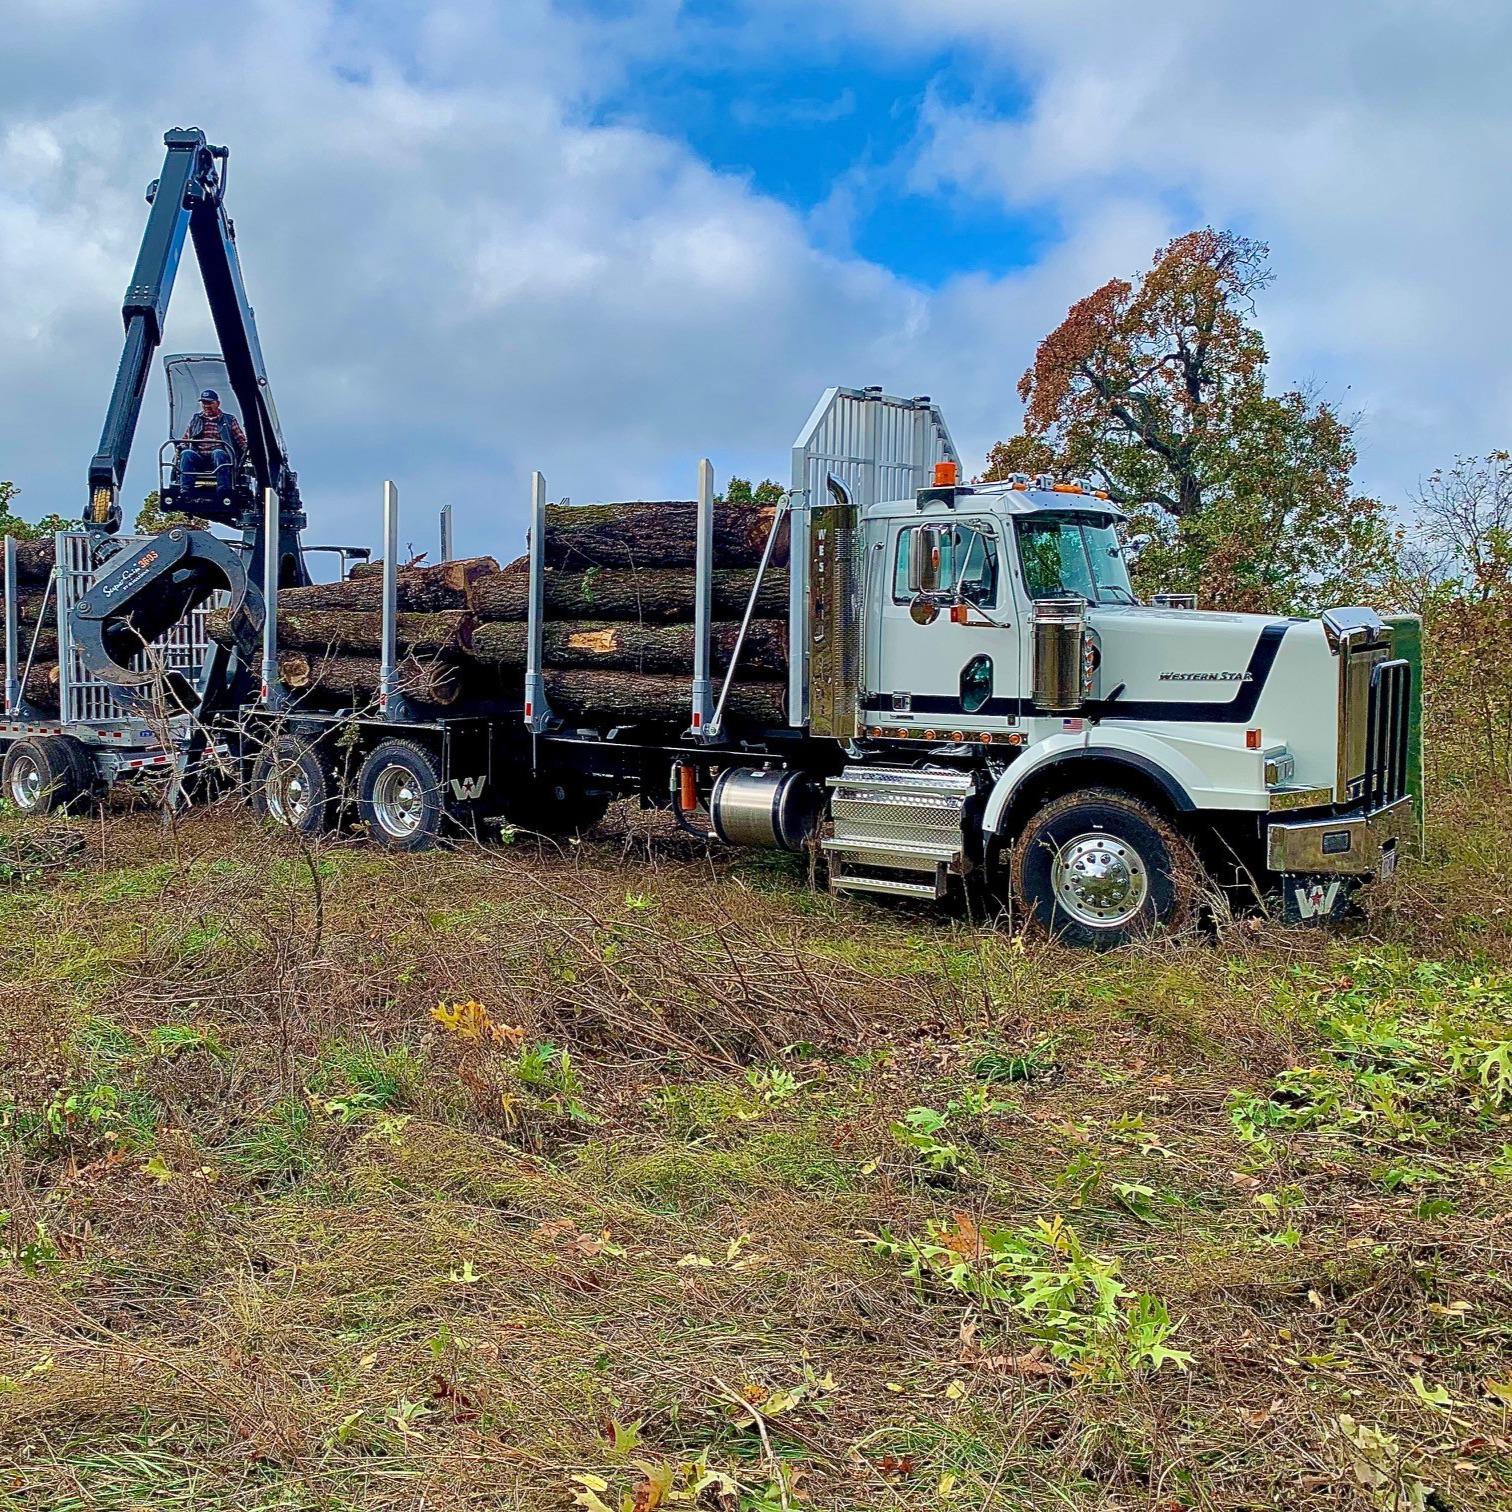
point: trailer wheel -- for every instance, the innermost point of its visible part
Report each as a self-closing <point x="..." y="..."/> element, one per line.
<point x="399" y="796"/>
<point x="1099" y="869"/>
<point x="292" y="788"/>
<point x="47" y="774"/>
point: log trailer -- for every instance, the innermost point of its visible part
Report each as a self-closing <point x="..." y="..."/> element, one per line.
<point x="974" y="696"/>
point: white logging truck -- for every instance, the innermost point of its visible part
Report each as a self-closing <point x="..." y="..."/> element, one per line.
<point x="970" y="694"/>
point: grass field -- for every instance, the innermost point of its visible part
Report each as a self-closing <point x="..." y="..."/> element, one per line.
<point x="610" y="1176"/>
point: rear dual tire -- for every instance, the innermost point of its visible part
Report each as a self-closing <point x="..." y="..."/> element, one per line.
<point x="400" y="797"/>
<point x="399" y="794"/>
<point x="292" y="787"/>
<point x="47" y="774"/>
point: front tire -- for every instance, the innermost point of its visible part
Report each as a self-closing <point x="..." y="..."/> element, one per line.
<point x="292" y="788"/>
<point x="399" y="796"/>
<point x="47" y="774"/>
<point x="1099" y="869"/>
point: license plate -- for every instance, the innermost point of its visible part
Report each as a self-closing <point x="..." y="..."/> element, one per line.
<point x="1388" y="863"/>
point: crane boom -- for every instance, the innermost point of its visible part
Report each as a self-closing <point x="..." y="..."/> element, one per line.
<point x="188" y="201"/>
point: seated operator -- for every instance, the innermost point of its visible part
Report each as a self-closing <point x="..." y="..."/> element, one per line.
<point x="213" y="442"/>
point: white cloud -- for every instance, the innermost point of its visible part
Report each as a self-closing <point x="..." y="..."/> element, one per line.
<point x="1366" y="144"/>
<point x="461" y="273"/>
<point x="457" y="276"/>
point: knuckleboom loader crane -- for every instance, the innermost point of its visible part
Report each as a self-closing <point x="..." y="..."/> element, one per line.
<point x="152" y="587"/>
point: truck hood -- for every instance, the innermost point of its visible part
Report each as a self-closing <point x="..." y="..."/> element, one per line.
<point x="1192" y="664"/>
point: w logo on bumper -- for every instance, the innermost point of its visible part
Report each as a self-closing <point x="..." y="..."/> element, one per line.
<point x="1313" y="898"/>
<point x="468" y="789"/>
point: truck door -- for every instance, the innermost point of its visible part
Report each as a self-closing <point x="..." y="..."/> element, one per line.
<point x="961" y="669"/>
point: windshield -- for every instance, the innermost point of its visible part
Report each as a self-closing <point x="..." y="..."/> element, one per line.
<point x="1066" y="555"/>
<point x="189" y="375"/>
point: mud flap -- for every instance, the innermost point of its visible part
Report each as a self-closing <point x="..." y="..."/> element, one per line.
<point x="1310" y="899"/>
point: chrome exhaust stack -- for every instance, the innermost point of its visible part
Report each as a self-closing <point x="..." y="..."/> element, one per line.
<point x="1060" y="646"/>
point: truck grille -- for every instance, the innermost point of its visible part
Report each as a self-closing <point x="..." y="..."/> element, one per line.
<point x="1385" y="778"/>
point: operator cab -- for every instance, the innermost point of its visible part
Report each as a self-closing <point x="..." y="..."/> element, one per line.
<point x="203" y="468"/>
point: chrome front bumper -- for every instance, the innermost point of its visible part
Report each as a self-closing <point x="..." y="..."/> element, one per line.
<point x="1349" y="845"/>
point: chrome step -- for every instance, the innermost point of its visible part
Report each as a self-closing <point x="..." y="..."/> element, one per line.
<point x="896" y="784"/>
<point x="897" y="886"/>
<point x="896" y="819"/>
<point x="868" y="848"/>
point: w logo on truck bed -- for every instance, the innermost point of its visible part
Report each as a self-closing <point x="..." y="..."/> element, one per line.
<point x="468" y="789"/>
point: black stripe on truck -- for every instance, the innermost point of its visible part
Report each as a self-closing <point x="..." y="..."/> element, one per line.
<point x="1238" y="710"/>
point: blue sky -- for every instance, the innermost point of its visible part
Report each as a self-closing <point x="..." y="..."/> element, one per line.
<point x="605" y="239"/>
<point x="834" y="140"/>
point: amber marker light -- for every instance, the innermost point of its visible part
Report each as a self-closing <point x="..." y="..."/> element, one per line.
<point x="1252" y="740"/>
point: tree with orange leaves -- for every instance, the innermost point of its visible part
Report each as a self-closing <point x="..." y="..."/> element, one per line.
<point x="1156" y="388"/>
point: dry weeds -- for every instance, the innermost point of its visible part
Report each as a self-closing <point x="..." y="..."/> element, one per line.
<point x="640" y="1229"/>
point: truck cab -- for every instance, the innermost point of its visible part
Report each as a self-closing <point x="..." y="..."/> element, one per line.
<point x="1020" y="714"/>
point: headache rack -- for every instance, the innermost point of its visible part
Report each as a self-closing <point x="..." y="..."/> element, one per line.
<point x="859" y="447"/>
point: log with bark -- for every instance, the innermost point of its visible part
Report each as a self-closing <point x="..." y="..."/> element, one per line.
<point x="632" y="593"/>
<point x="29" y="607"/>
<point x="628" y="698"/>
<point x="357" y="632"/>
<point x="42" y="688"/>
<point x="46" y="646"/>
<point x="439" y="585"/>
<point x="352" y="681"/>
<point x="647" y="534"/>
<point x="34" y="561"/>
<point x="638" y="648"/>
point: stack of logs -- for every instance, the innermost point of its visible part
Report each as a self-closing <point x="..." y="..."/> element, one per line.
<point x="619" y="607"/>
<point x="330" y="635"/>
<point x="34" y="562"/>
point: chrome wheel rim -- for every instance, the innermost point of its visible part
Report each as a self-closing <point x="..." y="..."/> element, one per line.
<point x="398" y="803"/>
<point x="289" y="798"/>
<point x="1100" y="880"/>
<point x="26" y="782"/>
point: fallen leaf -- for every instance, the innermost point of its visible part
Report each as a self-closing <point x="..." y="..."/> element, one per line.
<point x="965" y="1238"/>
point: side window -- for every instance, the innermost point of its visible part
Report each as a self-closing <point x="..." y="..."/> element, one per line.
<point x="978" y="578"/>
<point x="976" y="684"/>
<point x="968" y="564"/>
<point x="901" y="595"/>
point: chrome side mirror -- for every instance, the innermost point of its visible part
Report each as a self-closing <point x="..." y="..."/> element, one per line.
<point x="924" y="556"/>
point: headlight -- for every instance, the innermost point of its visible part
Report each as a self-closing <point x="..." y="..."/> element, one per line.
<point x="1280" y="768"/>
